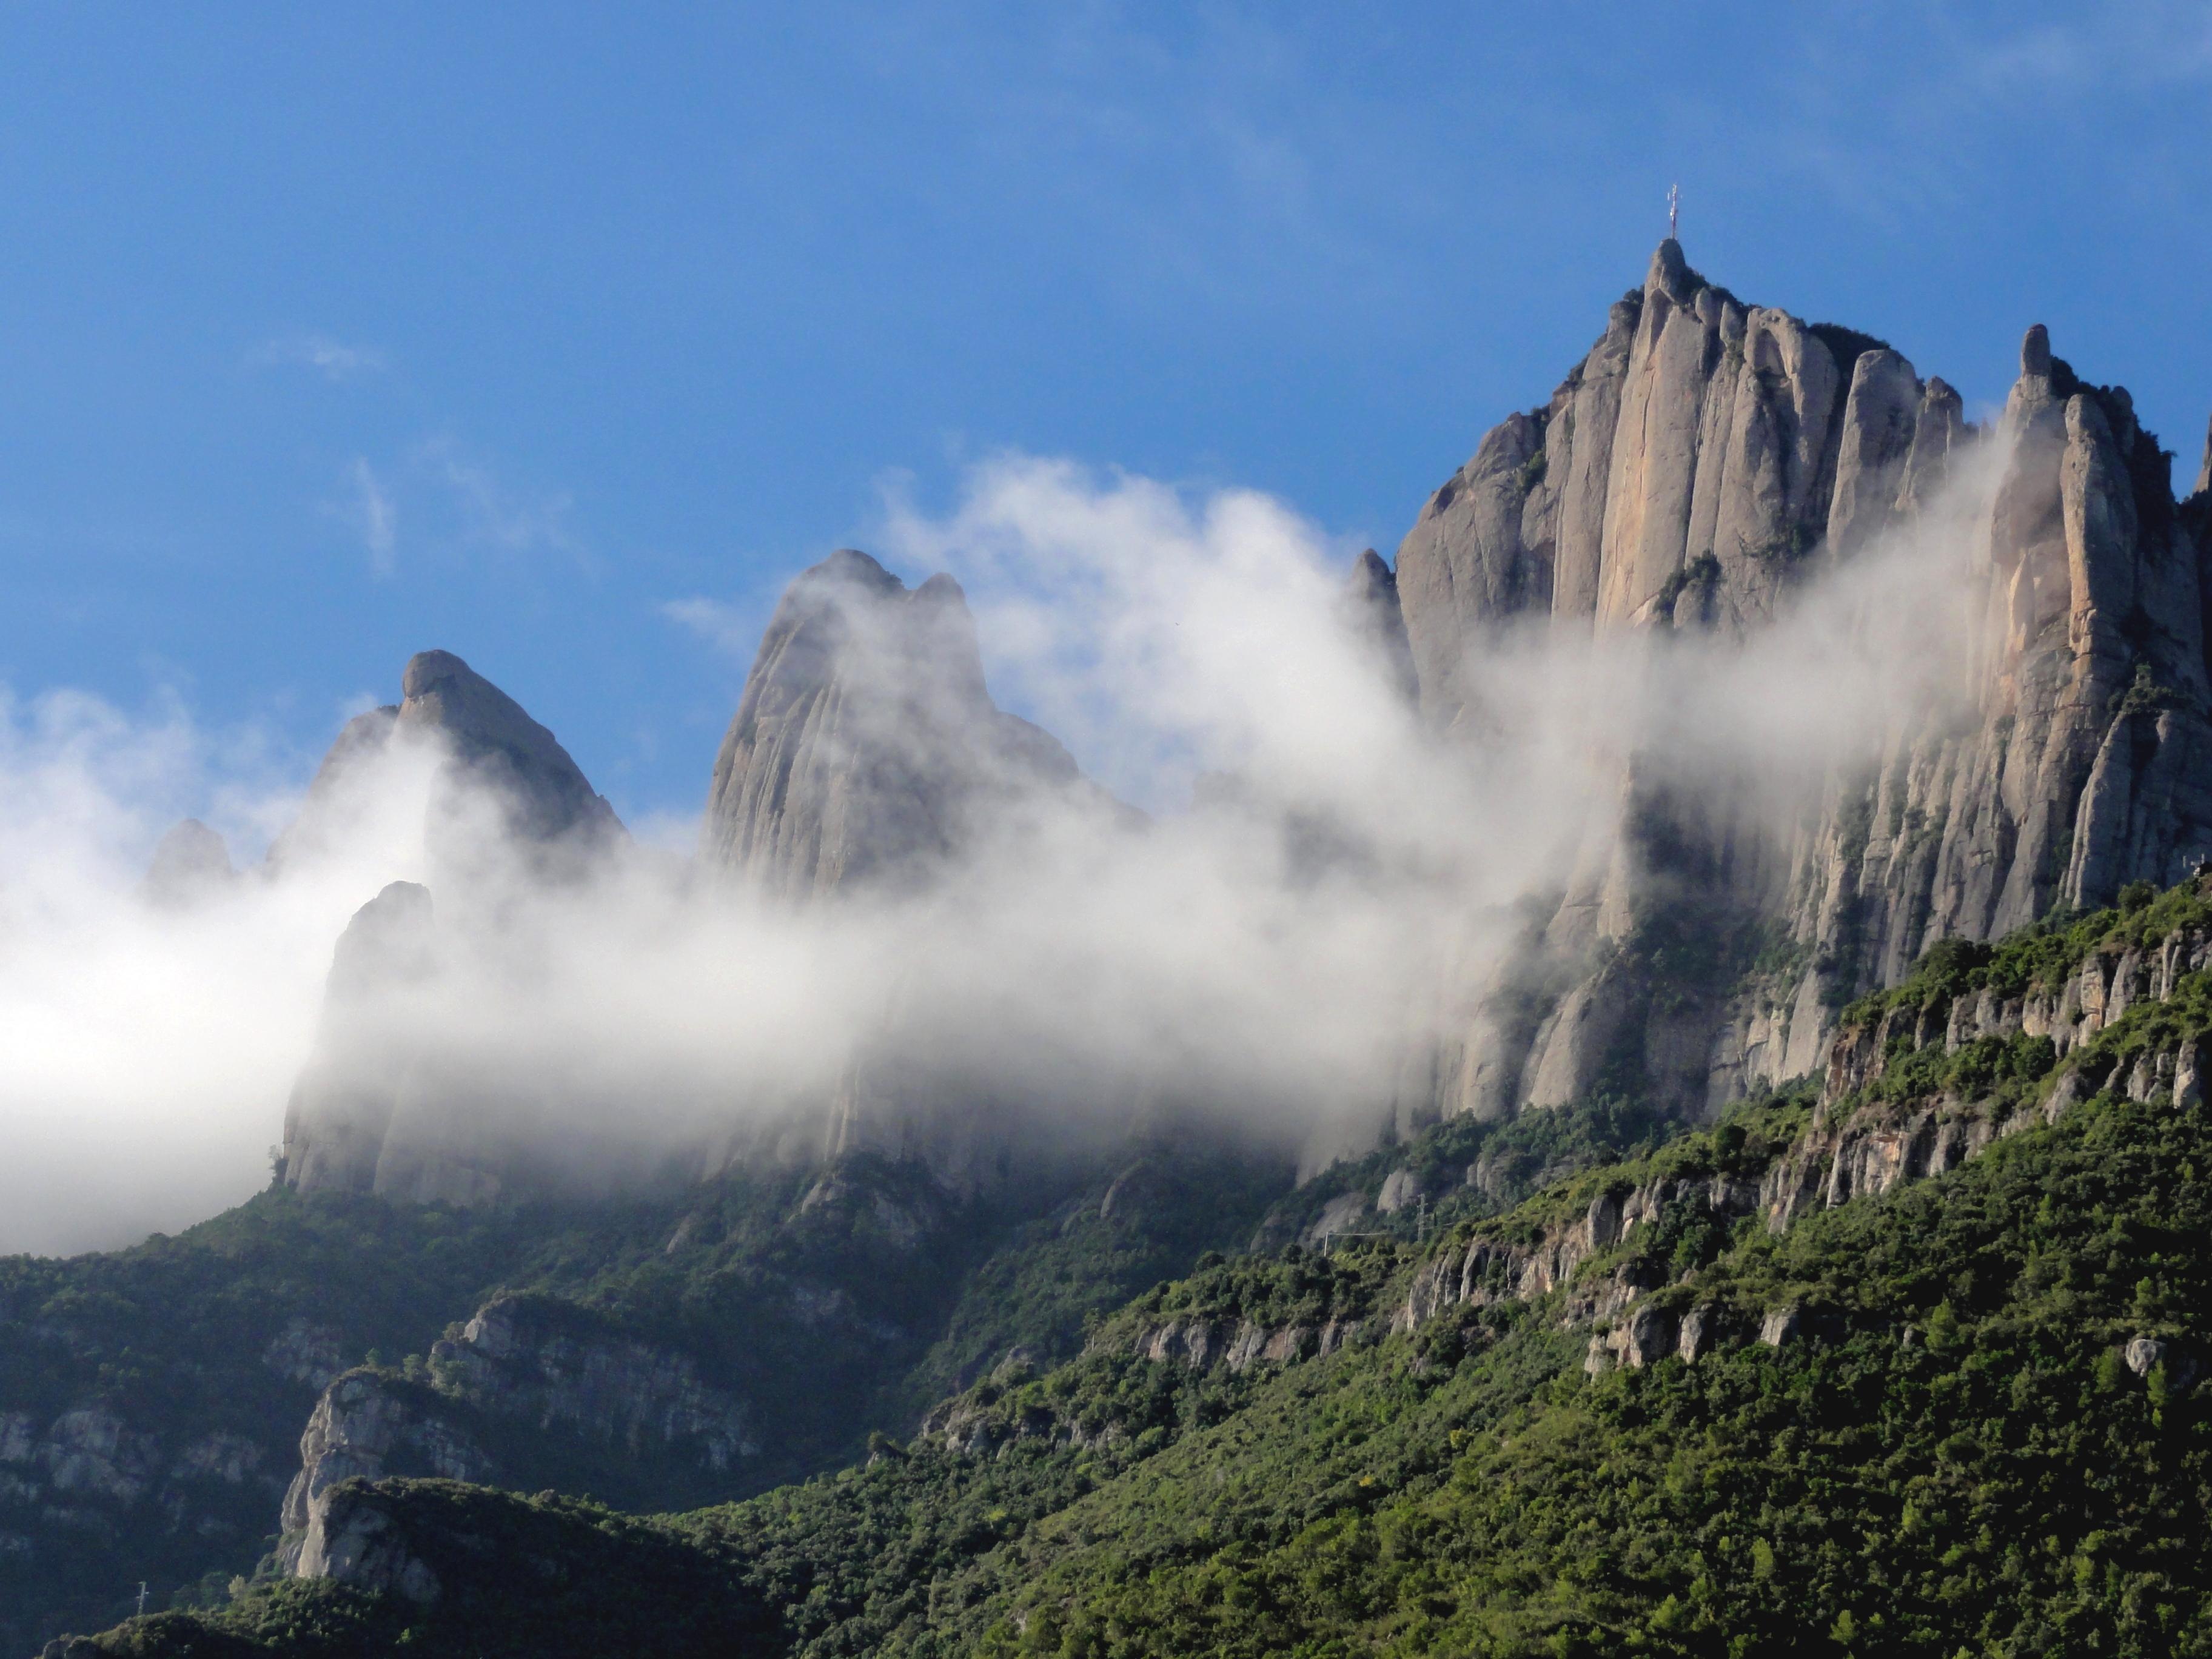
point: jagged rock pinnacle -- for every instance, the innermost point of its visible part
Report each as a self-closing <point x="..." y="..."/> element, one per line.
<point x="865" y="745"/>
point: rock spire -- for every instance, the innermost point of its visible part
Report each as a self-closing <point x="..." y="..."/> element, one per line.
<point x="866" y="748"/>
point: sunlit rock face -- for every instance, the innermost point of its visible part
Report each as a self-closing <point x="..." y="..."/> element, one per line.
<point x="1705" y="463"/>
<point x="865" y="749"/>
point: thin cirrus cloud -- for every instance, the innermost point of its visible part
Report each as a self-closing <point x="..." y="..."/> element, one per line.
<point x="333" y="360"/>
<point x="490" y="512"/>
<point x="454" y="502"/>
<point x="372" y="514"/>
<point x="723" y="626"/>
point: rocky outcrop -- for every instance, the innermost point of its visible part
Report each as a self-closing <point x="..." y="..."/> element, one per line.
<point x="350" y="1540"/>
<point x="367" y="1425"/>
<point x="305" y="1351"/>
<point x="1868" y="1136"/>
<point x="557" y="1368"/>
<point x="1698" y="429"/>
<point x="379" y="1107"/>
<point x="1371" y="613"/>
<point x="503" y="788"/>
<point x="365" y="1054"/>
<point x="534" y="1363"/>
<point x="1239" y="1344"/>
<point x="1702" y="463"/>
<point x="99" y="1469"/>
<point x="865" y="749"/>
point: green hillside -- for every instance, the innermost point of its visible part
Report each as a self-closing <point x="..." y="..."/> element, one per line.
<point x="1956" y="1459"/>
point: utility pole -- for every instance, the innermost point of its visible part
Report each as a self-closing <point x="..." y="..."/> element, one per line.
<point x="1674" y="210"/>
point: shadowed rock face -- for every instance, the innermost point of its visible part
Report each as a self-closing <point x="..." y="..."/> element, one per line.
<point x="1704" y="460"/>
<point x="544" y="798"/>
<point x="341" y="1111"/>
<point x="1371" y="611"/>
<point x="866" y="748"/>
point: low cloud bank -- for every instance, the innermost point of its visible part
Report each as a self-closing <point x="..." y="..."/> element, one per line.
<point x="1266" y="955"/>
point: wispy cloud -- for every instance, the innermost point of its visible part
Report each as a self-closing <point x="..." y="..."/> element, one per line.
<point x="372" y="514"/>
<point x="494" y="514"/>
<point x="2143" y="43"/>
<point x="332" y="359"/>
<point x="722" y="625"/>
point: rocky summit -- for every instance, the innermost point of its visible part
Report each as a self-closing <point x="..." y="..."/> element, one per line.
<point x="1796" y="1241"/>
<point x="866" y="747"/>
<point x="1706" y="459"/>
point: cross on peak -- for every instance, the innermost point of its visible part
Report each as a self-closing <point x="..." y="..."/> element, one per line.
<point x="1674" y="210"/>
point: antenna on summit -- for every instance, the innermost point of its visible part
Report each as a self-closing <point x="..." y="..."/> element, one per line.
<point x="1674" y="210"/>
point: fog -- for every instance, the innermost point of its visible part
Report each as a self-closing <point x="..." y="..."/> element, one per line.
<point x="1262" y="958"/>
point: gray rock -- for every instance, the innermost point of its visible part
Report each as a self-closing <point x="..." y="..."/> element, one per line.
<point x="2143" y="1354"/>
<point x="367" y="1426"/>
<point x="1401" y="1190"/>
<point x="1781" y="1325"/>
<point x="343" y="1100"/>
<point x="1700" y="1327"/>
<point x="556" y="1366"/>
<point x="543" y="803"/>
<point x="1881" y="425"/>
<point x="505" y="777"/>
<point x="1735" y="441"/>
<point x="189" y="864"/>
<point x="303" y="1351"/>
<point x="1372" y="615"/>
<point x="1341" y="1214"/>
<point x="1466" y="564"/>
<point x="865" y="749"/>
<point x="351" y="1540"/>
<point x="1652" y="1334"/>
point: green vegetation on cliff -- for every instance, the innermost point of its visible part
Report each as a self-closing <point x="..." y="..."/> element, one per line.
<point x="1952" y="1455"/>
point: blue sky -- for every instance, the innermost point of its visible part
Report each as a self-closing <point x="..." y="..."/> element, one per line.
<point x="328" y="333"/>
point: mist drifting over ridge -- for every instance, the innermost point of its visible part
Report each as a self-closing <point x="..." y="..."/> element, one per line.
<point x="1267" y="956"/>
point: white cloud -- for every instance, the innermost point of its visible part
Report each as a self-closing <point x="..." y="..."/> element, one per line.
<point x="494" y="513"/>
<point x="373" y="513"/>
<point x="332" y="359"/>
<point x="722" y="625"/>
<point x="1267" y="956"/>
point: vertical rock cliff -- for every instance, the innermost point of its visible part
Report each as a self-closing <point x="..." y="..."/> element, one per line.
<point x="1704" y="462"/>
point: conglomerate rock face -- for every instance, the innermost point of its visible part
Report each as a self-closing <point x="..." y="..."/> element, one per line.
<point x="1704" y="462"/>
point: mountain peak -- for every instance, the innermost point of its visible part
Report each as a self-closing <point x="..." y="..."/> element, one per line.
<point x="865" y="745"/>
